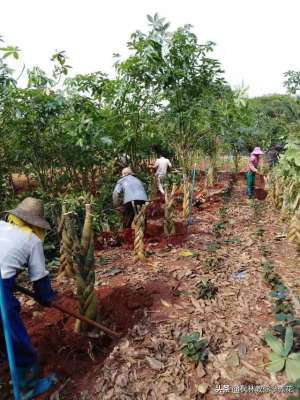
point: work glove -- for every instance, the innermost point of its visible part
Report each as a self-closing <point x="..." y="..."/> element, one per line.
<point x="43" y="291"/>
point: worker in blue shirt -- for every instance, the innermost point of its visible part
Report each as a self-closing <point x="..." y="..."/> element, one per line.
<point x="134" y="195"/>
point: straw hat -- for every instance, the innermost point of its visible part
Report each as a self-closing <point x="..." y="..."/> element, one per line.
<point x="31" y="211"/>
<point x="257" y="151"/>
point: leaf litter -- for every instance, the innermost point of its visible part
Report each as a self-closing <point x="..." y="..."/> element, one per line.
<point x="147" y="362"/>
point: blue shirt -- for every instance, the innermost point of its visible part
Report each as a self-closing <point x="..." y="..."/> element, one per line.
<point x="132" y="189"/>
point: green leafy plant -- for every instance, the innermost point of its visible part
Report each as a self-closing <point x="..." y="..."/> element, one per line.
<point x="223" y="212"/>
<point x="294" y="387"/>
<point x="206" y="290"/>
<point x="212" y="247"/>
<point x="257" y="209"/>
<point x="211" y="264"/>
<point x="217" y="228"/>
<point x="269" y="276"/>
<point x="265" y="251"/>
<point x="195" y="347"/>
<point x="234" y="240"/>
<point x="259" y="231"/>
<point x="281" y="357"/>
<point x="283" y="310"/>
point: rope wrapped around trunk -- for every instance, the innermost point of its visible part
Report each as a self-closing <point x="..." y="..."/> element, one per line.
<point x="85" y="270"/>
<point x="186" y="199"/>
<point x="169" y="224"/>
<point x="139" y="230"/>
<point x="66" y="231"/>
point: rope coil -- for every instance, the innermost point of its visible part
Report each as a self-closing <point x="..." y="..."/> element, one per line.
<point x="139" y="230"/>
<point x="66" y="246"/>
<point x="186" y="199"/>
<point x="169" y="224"/>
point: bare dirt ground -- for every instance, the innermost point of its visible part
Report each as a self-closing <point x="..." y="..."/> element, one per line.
<point x="153" y="304"/>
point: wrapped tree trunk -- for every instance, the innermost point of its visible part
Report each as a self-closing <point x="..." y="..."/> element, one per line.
<point x="153" y="186"/>
<point x="139" y="231"/>
<point x="186" y="199"/>
<point x="85" y="270"/>
<point x="275" y="186"/>
<point x="66" y="231"/>
<point x="278" y="192"/>
<point x="294" y="229"/>
<point x="287" y="196"/>
<point x="169" y="224"/>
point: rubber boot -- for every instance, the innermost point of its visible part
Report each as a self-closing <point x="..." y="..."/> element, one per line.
<point x="27" y="375"/>
<point x="39" y="386"/>
<point x="31" y="383"/>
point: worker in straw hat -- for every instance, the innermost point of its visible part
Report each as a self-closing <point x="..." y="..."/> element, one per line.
<point x="251" y="170"/>
<point x="134" y="195"/>
<point x="21" y="244"/>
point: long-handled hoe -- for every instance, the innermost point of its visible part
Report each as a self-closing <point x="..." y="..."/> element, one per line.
<point x="88" y="321"/>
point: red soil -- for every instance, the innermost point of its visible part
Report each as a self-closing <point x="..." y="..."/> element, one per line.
<point x="69" y="354"/>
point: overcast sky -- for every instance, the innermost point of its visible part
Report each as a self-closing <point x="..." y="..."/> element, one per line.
<point x="257" y="40"/>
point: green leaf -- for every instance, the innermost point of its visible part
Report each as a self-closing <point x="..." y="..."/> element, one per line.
<point x="288" y="341"/>
<point x="294" y="356"/>
<point x="275" y="344"/>
<point x="190" y="338"/>
<point x="277" y="363"/>
<point x="292" y="369"/>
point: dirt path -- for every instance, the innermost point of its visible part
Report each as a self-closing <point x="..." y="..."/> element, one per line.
<point x="148" y="363"/>
<point x="156" y="303"/>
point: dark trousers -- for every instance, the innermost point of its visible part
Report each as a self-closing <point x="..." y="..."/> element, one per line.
<point x="250" y="179"/>
<point x="25" y="355"/>
<point x="129" y="212"/>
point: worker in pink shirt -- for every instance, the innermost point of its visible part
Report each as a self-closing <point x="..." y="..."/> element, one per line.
<point x="251" y="170"/>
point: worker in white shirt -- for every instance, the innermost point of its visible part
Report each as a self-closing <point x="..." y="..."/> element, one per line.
<point x="161" y="164"/>
<point x="21" y="246"/>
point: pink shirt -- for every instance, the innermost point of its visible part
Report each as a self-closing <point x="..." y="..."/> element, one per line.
<point x="254" y="160"/>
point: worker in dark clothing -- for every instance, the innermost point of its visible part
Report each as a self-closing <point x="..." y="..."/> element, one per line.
<point x="273" y="154"/>
<point x="134" y="195"/>
<point x="21" y="244"/>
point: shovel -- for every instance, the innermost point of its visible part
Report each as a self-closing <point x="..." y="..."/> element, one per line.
<point x="72" y="314"/>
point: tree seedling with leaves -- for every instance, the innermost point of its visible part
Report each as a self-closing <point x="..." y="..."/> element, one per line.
<point x="282" y="358"/>
<point x="283" y="310"/>
<point x="265" y="251"/>
<point x="282" y="306"/>
<point x="259" y="231"/>
<point x="257" y="210"/>
<point x="217" y="229"/>
<point x="223" y="212"/>
<point x="212" y="247"/>
<point x="195" y="347"/>
<point x="211" y="263"/>
<point x="206" y="290"/>
<point x="294" y="387"/>
<point x="269" y="276"/>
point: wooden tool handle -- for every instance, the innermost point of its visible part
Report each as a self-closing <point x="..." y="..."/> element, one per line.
<point x="71" y="313"/>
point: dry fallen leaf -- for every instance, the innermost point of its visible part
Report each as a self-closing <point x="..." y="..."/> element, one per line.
<point x="196" y="303"/>
<point x="154" y="363"/>
<point x="165" y="303"/>
<point x="202" y="388"/>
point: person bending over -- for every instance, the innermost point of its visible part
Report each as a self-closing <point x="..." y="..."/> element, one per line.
<point x="134" y="196"/>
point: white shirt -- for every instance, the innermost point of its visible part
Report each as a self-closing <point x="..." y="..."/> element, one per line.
<point x="19" y="248"/>
<point x="162" y="165"/>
